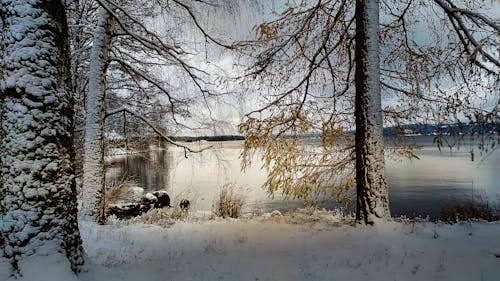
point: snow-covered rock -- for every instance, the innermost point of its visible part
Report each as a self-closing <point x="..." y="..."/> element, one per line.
<point x="163" y="200"/>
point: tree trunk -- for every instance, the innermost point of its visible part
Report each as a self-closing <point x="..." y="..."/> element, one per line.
<point x="38" y="201"/>
<point x="93" y="204"/>
<point x="372" y="198"/>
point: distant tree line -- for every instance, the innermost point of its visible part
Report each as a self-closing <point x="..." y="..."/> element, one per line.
<point x="416" y="128"/>
<point x="210" y="138"/>
<point x="445" y="129"/>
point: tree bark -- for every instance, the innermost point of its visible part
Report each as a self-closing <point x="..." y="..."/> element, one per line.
<point x="93" y="204"/>
<point x="38" y="204"/>
<point x="372" y="197"/>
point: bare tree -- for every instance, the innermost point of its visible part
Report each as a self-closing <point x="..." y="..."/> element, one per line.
<point x="319" y="62"/>
<point x="37" y="185"/>
<point x="93" y="159"/>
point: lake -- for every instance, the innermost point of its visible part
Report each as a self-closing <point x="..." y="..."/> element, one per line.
<point x="416" y="187"/>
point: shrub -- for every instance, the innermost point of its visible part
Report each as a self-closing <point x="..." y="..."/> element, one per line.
<point x="229" y="202"/>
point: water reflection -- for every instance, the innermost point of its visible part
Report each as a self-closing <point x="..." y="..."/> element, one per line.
<point x="149" y="170"/>
<point x="440" y="178"/>
<point x="416" y="187"/>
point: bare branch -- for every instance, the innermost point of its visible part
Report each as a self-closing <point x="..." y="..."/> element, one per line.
<point x="200" y="28"/>
<point x="455" y="15"/>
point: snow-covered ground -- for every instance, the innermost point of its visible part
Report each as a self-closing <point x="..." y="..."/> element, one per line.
<point x="301" y="246"/>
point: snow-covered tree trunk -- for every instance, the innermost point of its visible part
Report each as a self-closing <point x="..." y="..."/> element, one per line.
<point x="372" y="198"/>
<point x="93" y="160"/>
<point x="37" y="184"/>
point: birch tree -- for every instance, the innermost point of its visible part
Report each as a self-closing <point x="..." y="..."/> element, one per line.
<point x="320" y="62"/>
<point x="82" y="19"/>
<point x="37" y="184"/>
<point x="93" y="159"/>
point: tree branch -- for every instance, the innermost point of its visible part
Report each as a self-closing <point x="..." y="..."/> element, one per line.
<point x="453" y="14"/>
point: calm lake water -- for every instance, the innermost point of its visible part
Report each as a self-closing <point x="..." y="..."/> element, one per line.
<point x="416" y="187"/>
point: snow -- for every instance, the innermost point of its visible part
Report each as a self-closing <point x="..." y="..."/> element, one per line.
<point x="137" y="192"/>
<point x="302" y="245"/>
<point x="113" y="135"/>
<point x="150" y="196"/>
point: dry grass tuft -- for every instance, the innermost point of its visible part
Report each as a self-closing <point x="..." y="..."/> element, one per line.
<point x="229" y="202"/>
<point x="120" y="192"/>
<point x="156" y="216"/>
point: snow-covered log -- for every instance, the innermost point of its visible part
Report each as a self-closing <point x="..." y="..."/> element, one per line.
<point x="38" y="208"/>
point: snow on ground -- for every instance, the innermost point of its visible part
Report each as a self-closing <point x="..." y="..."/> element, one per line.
<point x="301" y="246"/>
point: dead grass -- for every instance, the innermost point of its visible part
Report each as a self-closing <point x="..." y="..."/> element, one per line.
<point x="479" y="209"/>
<point x="156" y="216"/>
<point x="229" y="202"/>
<point x="119" y="193"/>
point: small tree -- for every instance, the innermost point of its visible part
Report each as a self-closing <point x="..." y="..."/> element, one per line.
<point x="93" y="159"/>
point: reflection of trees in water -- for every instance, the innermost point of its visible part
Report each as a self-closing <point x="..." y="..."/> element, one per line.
<point x="149" y="170"/>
